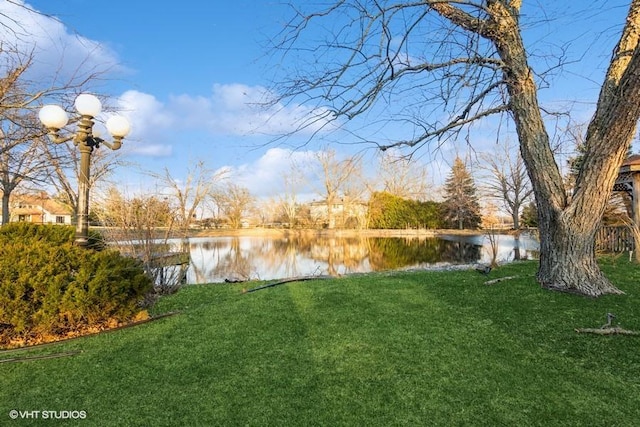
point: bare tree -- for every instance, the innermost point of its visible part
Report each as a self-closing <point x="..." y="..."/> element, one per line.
<point x="336" y="177"/>
<point x="189" y="194"/>
<point x="507" y="180"/>
<point x="21" y="137"/>
<point x="269" y="210"/>
<point x="62" y="163"/>
<point x="288" y="200"/>
<point x="356" y="194"/>
<point x="144" y="226"/>
<point x="234" y="201"/>
<point x="141" y="227"/>
<point x="401" y="176"/>
<point x="463" y="61"/>
<point x="142" y="213"/>
<point x="26" y="156"/>
<point x="21" y="160"/>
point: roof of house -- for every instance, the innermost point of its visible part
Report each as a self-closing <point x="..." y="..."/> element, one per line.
<point x="29" y="204"/>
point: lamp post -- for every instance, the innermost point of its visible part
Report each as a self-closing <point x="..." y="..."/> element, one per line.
<point x="54" y="118"/>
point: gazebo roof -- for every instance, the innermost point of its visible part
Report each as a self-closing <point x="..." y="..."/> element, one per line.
<point x="632" y="164"/>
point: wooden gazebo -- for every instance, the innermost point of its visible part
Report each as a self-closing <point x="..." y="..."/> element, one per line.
<point x="629" y="181"/>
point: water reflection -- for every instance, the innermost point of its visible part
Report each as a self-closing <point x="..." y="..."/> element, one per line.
<point x="214" y="259"/>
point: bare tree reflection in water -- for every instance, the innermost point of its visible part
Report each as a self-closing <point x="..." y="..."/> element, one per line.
<point x="242" y="258"/>
<point x="222" y="259"/>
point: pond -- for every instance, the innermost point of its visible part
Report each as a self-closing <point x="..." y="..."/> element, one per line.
<point x="216" y="259"/>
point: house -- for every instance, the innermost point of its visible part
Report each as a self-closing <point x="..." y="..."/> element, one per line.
<point x="343" y="214"/>
<point x="38" y="208"/>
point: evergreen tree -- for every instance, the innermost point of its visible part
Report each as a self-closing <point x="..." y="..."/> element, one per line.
<point x="460" y="208"/>
<point x="529" y="217"/>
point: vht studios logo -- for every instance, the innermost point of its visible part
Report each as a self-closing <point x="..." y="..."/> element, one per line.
<point x="47" y="415"/>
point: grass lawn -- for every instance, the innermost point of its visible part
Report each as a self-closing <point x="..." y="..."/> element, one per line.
<point x="411" y="348"/>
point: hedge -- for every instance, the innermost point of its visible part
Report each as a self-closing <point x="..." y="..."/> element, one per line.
<point x="48" y="286"/>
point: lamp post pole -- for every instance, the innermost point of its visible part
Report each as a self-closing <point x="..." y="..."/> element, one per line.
<point x="82" y="225"/>
<point x="54" y="119"/>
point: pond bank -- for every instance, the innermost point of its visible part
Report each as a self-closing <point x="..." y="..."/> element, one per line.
<point x="280" y="232"/>
<point x="160" y="233"/>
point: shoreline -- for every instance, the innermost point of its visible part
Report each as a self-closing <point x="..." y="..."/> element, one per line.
<point x="159" y="233"/>
<point x="278" y="232"/>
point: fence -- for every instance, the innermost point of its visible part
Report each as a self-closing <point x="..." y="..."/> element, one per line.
<point x="614" y="239"/>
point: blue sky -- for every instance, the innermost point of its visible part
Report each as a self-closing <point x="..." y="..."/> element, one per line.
<point x="188" y="74"/>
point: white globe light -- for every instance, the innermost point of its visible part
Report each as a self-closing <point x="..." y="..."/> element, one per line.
<point x="53" y="117"/>
<point x="88" y="105"/>
<point x="118" y="126"/>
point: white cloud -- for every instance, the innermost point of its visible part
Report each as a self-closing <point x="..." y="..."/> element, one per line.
<point x="149" y="150"/>
<point x="232" y="110"/>
<point x="247" y="109"/>
<point x="265" y="176"/>
<point x="239" y="109"/>
<point x="59" y="55"/>
<point x="148" y="116"/>
<point x="150" y="123"/>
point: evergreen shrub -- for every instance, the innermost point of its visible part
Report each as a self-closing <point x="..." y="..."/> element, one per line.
<point x="387" y="211"/>
<point x="48" y="286"/>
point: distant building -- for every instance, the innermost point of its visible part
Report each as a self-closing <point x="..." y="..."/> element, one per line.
<point x="39" y="209"/>
<point x="344" y="213"/>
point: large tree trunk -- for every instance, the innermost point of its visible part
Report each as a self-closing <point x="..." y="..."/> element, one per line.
<point x="607" y="141"/>
<point x="515" y="217"/>
<point x="567" y="224"/>
<point x="567" y="255"/>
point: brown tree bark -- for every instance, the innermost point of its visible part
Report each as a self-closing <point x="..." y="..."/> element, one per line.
<point x="567" y="224"/>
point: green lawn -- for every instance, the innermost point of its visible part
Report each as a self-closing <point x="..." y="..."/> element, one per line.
<point x="414" y="348"/>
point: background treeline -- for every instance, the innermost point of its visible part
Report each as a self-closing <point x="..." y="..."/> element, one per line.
<point x="387" y="211"/>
